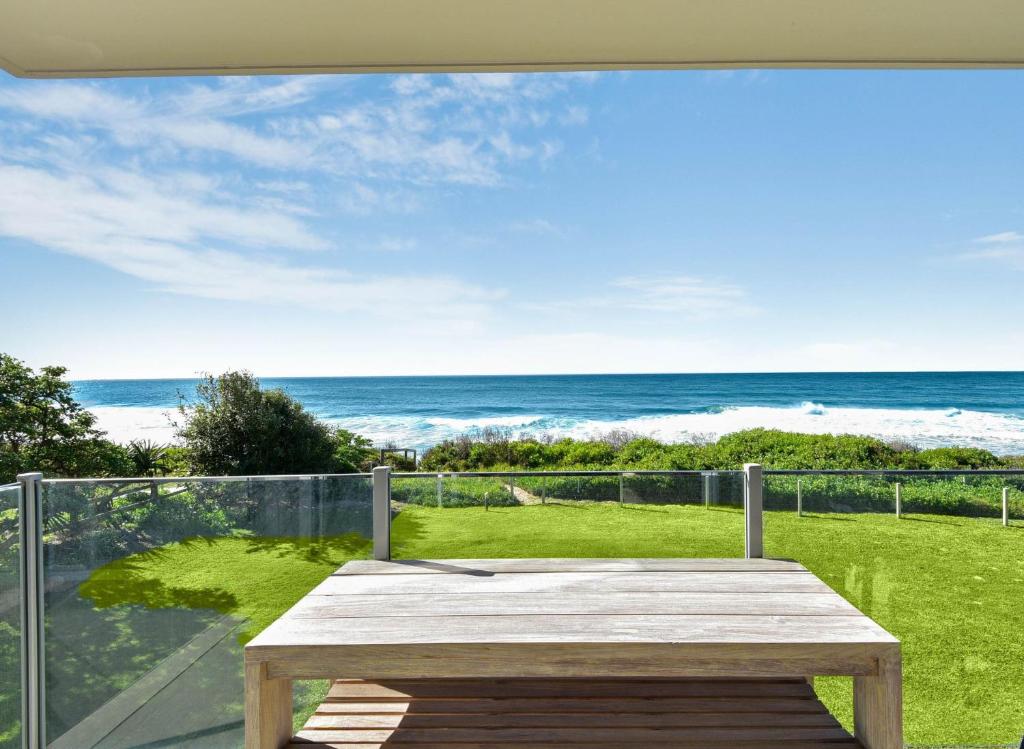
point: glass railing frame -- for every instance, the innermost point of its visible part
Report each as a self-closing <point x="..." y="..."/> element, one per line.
<point x="30" y="532"/>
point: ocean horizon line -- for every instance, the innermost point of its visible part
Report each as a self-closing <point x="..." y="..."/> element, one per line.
<point x="981" y="409"/>
<point x="569" y="374"/>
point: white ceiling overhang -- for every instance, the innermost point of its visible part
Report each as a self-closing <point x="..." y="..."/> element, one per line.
<point x="69" y="38"/>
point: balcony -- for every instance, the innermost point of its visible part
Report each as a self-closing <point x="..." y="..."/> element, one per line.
<point x="127" y="602"/>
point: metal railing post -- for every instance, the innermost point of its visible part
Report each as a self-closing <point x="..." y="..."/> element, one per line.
<point x="33" y="672"/>
<point x="753" y="510"/>
<point x="440" y="489"/>
<point x="1006" y="506"/>
<point x="799" y="498"/>
<point x="382" y="513"/>
<point x="899" y="500"/>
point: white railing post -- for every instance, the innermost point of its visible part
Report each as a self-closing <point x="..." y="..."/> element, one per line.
<point x="899" y="500"/>
<point x="799" y="498"/>
<point x="1006" y="506"/>
<point x="753" y="509"/>
<point x="33" y="672"/>
<point x="382" y="513"/>
<point x="440" y="489"/>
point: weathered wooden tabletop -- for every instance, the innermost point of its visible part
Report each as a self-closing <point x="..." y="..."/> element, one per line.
<point x="574" y="618"/>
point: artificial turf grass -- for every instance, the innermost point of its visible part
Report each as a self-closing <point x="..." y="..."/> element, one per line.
<point x="253" y="578"/>
<point x="950" y="588"/>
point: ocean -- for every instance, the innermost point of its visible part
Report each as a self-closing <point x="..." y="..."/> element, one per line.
<point x="981" y="409"/>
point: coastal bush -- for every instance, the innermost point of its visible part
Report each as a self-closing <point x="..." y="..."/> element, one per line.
<point x="770" y="447"/>
<point x="235" y="427"/>
<point x="352" y="453"/>
<point x="43" y="428"/>
<point x="955" y="457"/>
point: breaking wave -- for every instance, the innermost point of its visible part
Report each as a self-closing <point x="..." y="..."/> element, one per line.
<point x="1000" y="433"/>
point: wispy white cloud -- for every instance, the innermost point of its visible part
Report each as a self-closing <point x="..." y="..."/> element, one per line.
<point x="1005" y="248"/>
<point x="457" y="129"/>
<point x="689" y="296"/>
<point x="362" y="200"/>
<point x="130" y="223"/>
<point x="396" y="244"/>
<point x="217" y="188"/>
<point x="536" y="226"/>
<point x="698" y="297"/>
<point x="63" y="210"/>
<point x="137" y="121"/>
<point x="1005" y="237"/>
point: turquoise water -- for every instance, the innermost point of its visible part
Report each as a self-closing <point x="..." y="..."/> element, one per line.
<point x="928" y="408"/>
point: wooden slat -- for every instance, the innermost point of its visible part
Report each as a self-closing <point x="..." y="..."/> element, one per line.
<point x="405" y="689"/>
<point x="541" y="705"/>
<point x="544" y="714"/>
<point x="547" y="566"/>
<point x="588" y="604"/>
<point x="479" y="660"/>
<point x="641" y="736"/>
<point x="566" y="629"/>
<point x="597" y="743"/>
<point x="615" y="719"/>
<point x="573" y="582"/>
<point x="669" y="744"/>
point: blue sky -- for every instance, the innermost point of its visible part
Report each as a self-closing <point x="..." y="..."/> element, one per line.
<point x="673" y="221"/>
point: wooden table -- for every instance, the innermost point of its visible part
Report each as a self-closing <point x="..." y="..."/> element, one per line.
<point x="717" y="619"/>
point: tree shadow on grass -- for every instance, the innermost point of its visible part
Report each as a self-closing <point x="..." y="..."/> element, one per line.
<point x="406" y="528"/>
<point x="560" y="503"/>
<point x="125" y="582"/>
<point x="324" y="550"/>
<point x="644" y="508"/>
<point x="819" y="516"/>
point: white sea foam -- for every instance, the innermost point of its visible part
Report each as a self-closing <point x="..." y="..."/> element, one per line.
<point x="1000" y="433"/>
<point x="463" y="425"/>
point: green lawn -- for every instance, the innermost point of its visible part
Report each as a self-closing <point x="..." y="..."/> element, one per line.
<point x="950" y="588"/>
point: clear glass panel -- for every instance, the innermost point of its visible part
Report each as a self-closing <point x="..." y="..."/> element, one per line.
<point x="152" y="587"/>
<point x="945" y="578"/>
<point x="10" y="619"/>
<point x="552" y="515"/>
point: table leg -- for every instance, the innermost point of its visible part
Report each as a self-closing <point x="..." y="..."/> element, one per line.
<point x="268" y="709"/>
<point x="878" y="705"/>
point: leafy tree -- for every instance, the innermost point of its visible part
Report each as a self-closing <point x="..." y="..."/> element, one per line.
<point x="352" y="452"/>
<point x="235" y="427"/>
<point x="43" y="428"/>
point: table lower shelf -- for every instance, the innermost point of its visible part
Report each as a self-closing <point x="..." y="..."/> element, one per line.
<point x="572" y="714"/>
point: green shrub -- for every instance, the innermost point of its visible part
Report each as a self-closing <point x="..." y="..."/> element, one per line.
<point x="236" y="428"/>
<point x="770" y="447"/>
<point x="455" y="492"/>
